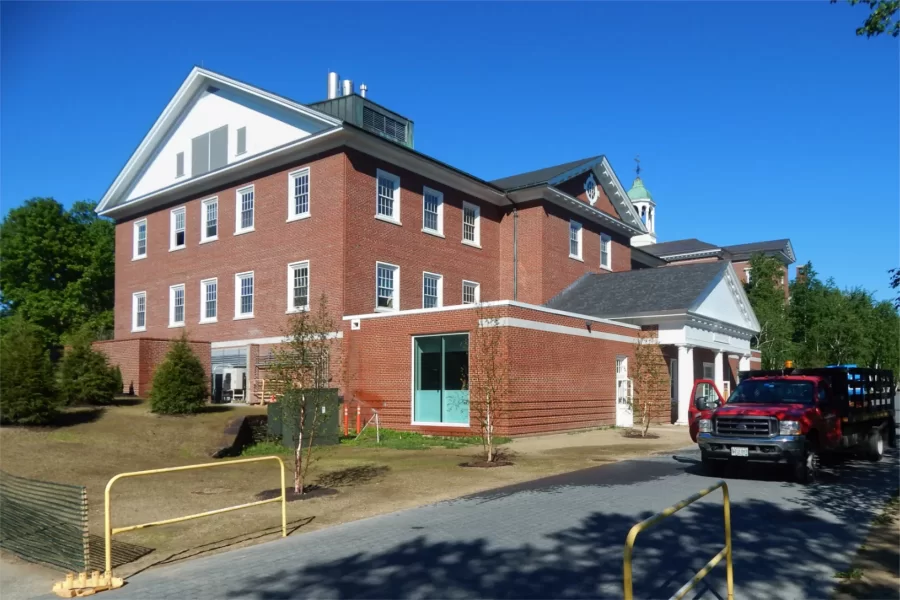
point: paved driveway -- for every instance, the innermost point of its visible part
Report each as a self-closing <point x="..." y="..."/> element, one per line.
<point x="561" y="537"/>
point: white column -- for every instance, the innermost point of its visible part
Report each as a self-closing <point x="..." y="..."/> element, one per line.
<point x="685" y="382"/>
<point x="744" y="363"/>
<point x="720" y="371"/>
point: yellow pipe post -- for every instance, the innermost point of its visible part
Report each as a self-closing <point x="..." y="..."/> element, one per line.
<point x="109" y="531"/>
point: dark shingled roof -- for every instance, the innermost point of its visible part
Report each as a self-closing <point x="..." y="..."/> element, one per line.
<point x="523" y="180"/>
<point x="611" y="295"/>
<point x="744" y="251"/>
<point x="678" y="247"/>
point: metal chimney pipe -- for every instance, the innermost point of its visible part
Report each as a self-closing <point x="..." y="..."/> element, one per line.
<point x="334" y="81"/>
<point x="348" y="87"/>
<point x="362" y="90"/>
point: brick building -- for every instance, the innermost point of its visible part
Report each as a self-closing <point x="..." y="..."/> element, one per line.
<point x="241" y="207"/>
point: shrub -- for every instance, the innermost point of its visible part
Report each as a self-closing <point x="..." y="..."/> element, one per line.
<point x="85" y="376"/>
<point x="179" y="384"/>
<point x="117" y="374"/>
<point x="28" y="395"/>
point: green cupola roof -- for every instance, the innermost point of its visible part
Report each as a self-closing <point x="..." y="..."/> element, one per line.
<point x="638" y="191"/>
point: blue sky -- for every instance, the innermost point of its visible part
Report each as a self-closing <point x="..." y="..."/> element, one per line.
<point x="753" y="121"/>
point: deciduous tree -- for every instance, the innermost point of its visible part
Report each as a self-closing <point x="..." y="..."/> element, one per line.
<point x="650" y="378"/>
<point x="488" y="379"/>
<point x="882" y="17"/>
<point x="767" y="299"/>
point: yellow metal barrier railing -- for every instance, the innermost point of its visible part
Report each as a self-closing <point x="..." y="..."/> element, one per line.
<point x="724" y="553"/>
<point x="110" y="531"/>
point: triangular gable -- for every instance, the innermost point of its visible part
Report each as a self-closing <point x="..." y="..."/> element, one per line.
<point x="724" y="300"/>
<point x="205" y="102"/>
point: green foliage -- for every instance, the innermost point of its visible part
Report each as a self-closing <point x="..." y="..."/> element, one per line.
<point x="406" y="440"/>
<point x="267" y="448"/>
<point x="179" y="384"/>
<point x="882" y="17"/>
<point x="767" y="299"/>
<point x="895" y="283"/>
<point x="85" y="376"/>
<point x="27" y="392"/>
<point x="117" y="378"/>
<point x="58" y="267"/>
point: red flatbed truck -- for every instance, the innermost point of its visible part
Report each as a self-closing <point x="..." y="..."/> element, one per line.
<point x="794" y="416"/>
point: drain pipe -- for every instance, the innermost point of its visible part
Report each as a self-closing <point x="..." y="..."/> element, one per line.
<point x="515" y="248"/>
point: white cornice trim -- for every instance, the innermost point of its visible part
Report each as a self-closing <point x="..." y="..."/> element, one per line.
<point x="695" y="254"/>
<point x="607" y="172"/>
<point x="553" y="328"/>
<point x="333" y="335"/>
<point x="595" y="214"/>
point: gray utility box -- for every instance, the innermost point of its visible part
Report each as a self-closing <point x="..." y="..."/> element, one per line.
<point x="327" y="423"/>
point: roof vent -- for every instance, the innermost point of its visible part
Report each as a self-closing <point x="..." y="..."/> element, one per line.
<point x="348" y="87"/>
<point x="363" y="89"/>
<point x="334" y="81"/>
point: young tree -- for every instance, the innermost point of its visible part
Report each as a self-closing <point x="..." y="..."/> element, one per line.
<point x="650" y="378"/>
<point x="767" y="299"/>
<point x="488" y="379"/>
<point x="180" y="385"/>
<point x="28" y="394"/>
<point x="85" y="376"/>
<point x="882" y="17"/>
<point x="301" y="368"/>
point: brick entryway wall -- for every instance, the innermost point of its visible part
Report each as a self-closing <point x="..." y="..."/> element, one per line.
<point x="139" y="358"/>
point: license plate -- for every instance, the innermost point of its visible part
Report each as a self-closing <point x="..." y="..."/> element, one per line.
<point x="737" y="451"/>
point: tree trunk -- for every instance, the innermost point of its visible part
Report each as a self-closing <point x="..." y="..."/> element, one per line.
<point x="298" y="458"/>
<point x="489" y="436"/>
<point x="645" y="419"/>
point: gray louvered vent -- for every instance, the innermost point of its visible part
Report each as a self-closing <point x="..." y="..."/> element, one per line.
<point x="384" y="125"/>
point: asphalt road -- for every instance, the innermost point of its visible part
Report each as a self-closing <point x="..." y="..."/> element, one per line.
<point x="562" y="537"/>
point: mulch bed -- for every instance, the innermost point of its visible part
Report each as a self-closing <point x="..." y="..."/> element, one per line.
<point x="309" y="492"/>
<point x="483" y="464"/>
<point x="636" y="433"/>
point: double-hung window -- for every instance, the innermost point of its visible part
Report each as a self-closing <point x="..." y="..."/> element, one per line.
<point x="176" y="225"/>
<point x="176" y="305"/>
<point x="209" y="300"/>
<point x="433" y="211"/>
<point x="139" y="311"/>
<point x="243" y="295"/>
<point x="387" y="287"/>
<point x="471" y="292"/>
<point x="140" y="239"/>
<point x="298" y="194"/>
<point x="244" y="214"/>
<point x="210" y="220"/>
<point x="432" y="290"/>
<point x="298" y="286"/>
<point x="575" y="233"/>
<point x="471" y="233"/>
<point x="387" y="197"/>
<point x="605" y="251"/>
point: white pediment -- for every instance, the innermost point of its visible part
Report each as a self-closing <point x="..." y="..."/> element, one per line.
<point x="726" y="302"/>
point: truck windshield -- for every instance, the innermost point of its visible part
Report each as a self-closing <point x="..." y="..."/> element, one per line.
<point x="773" y="391"/>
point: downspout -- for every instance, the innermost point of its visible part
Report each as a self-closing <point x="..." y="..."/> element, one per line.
<point x="515" y="248"/>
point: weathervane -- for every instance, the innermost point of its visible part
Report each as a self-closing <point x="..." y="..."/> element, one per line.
<point x="637" y="159"/>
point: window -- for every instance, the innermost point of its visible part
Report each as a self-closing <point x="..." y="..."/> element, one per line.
<point x="387" y="279"/>
<point x="747" y="274"/>
<point x="210" y="211"/>
<point x="140" y="239"/>
<point x="243" y="295"/>
<point x="298" y="286"/>
<point x="241" y="140"/>
<point x="432" y="290"/>
<point x="176" y="305"/>
<point x="176" y="226"/>
<point x="244" y="210"/>
<point x="298" y="194"/>
<point x="139" y="311"/>
<point x="209" y="151"/>
<point x="471" y="224"/>
<point x="471" y="293"/>
<point x="709" y="370"/>
<point x="440" y="377"/>
<point x="432" y="211"/>
<point x="209" y="300"/>
<point x="590" y="189"/>
<point x="179" y="164"/>
<point x="605" y="251"/>
<point x="387" y="196"/>
<point x="575" y="240"/>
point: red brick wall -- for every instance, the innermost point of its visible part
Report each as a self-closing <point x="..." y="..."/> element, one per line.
<point x="575" y="187"/>
<point x="138" y="359"/>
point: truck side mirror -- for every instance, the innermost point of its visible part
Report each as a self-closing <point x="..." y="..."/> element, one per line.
<point x="705" y="397"/>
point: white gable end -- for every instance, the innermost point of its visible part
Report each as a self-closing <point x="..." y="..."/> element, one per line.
<point x="265" y="124"/>
<point x="727" y="303"/>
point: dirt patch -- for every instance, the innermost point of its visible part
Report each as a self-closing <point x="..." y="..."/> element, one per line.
<point x="483" y="464"/>
<point x="636" y="434"/>
<point x="351" y="476"/>
<point x="875" y="572"/>
<point x="310" y="492"/>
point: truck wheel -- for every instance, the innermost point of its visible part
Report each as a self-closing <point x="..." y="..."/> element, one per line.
<point x="807" y="468"/>
<point x="875" y="446"/>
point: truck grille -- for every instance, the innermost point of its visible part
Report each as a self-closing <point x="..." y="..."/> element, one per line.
<point x="746" y="426"/>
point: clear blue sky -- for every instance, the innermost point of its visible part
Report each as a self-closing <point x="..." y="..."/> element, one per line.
<point x="753" y="121"/>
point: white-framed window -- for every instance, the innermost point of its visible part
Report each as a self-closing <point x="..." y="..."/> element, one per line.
<point x="471" y="292"/>
<point x="387" y="196"/>
<point x="605" y="251"/>
<point x="209" y="229"/>
<point x="140" y="239"/>
<point x="709" y="370"/>
<point x="176" y="305"/>
<point x="298" y="286"/>
<point x="179" y="165"/>
<point x="176" y="226"/>
<point x="575" y="234"/>
<point x="244" y="210"/>
<point x="243" y="295"/>
<point x="209" y="300"/>
<point x="590" y="189"/>
<point x="432" y="290"/>
<point x="432" y="211"/>
<point x="747" y="274"/>
<point x="387" y="287"/>
<point x="471" y="227"/>
<point x="298" y="194"/>
<point x="241" y="141"/>
<point x="139" y="311"/>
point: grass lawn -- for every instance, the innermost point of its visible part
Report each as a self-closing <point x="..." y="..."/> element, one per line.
<point x="405" y="470"/>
